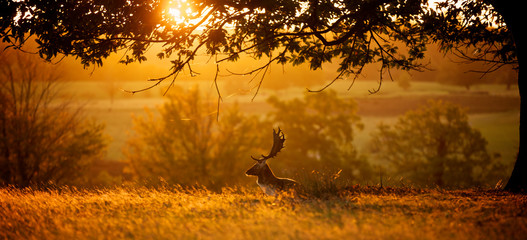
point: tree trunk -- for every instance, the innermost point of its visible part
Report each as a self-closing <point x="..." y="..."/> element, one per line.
<point x="512" y="14"/>
<point x="441" y="153"/>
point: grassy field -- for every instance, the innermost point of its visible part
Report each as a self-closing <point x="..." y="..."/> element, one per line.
<point x="173" y="213"/>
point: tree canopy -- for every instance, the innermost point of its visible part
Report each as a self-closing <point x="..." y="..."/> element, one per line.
<point x="393" y="33"/>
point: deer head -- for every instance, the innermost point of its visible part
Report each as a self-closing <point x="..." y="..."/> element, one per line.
<point x="266" y="178"/>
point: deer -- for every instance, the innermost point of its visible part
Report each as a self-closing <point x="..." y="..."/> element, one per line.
<point x="268" y="182"/>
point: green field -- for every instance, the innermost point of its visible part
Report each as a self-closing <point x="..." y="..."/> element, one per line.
<point x="173" y="213"/>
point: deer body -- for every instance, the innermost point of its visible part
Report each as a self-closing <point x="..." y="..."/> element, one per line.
<point x="267" y="181"/>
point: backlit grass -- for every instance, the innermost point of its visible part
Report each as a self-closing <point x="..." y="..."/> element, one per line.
<point x="174" y="213"/>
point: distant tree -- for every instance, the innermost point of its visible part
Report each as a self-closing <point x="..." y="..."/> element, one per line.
<point x="184" y="144"/>
<point x="506" y="76"/>
<point x="457" y="71"/>
<point x="434" y="145"/>
<point x="42" y="139"/>
<point x="319" y="131"/>
<point x="111" y="89"/>
<point x="457" y="74"/>
<point x="404" y="80"/>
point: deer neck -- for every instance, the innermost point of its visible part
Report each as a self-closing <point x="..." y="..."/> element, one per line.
<point x="267" y="181"/>
<point x="267" y="177"/>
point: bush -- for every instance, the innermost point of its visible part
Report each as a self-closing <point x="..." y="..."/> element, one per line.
<point x="184" y="144"/>
<point x="42" y="139"/>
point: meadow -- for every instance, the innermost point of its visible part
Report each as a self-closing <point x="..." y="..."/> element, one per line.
<point x="245" y="213"/>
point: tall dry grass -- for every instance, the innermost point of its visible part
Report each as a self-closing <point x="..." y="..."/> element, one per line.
<point x="241" y="213"/>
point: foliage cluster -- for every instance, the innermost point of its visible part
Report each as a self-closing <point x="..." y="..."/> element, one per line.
<point x="175" y="213"/>
<point x="184" y="144"/>
<point x="189" y="149"/>
<point x="435" y="145"/>
<point x="43" y="140"/>
<point x="320" y="129"/>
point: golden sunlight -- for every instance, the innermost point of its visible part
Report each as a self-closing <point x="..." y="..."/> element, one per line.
<point x="179" y="11"/>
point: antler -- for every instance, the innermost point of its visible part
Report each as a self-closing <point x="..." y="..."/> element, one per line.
<point x="278" y="144"/>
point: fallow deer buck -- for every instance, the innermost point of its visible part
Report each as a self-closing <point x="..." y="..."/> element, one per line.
<point x="267" y="181"/>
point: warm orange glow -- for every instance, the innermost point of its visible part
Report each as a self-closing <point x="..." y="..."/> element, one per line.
<point x="179" y="11"/>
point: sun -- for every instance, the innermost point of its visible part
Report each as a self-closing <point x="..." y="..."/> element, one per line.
<point x="174" y="12"/>
<point x="179" y="10"/>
